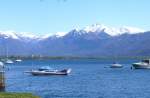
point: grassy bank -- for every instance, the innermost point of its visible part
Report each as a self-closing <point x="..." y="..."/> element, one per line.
<point x="17" y="95"/>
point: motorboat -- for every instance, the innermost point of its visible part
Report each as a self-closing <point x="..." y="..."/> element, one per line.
<point x="116" y="65"/>
<point x="8" y="61"/>
<point x="49" y="71"/>
<point x="144" y="64"/>
<point x="18" y="60"/>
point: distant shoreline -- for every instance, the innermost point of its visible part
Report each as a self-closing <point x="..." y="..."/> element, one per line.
<point x="75" y="57"/>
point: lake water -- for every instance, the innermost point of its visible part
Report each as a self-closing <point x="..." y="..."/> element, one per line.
<point x="89" y="79"/>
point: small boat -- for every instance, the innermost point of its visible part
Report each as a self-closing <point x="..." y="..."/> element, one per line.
<point x="1" y="65"/>
<point x="116" y="65"/>
<point x="18" y="60"/>
<point x="8" y="61"/>
<point x="144" y="64"/>
<point x="49" y="71"/>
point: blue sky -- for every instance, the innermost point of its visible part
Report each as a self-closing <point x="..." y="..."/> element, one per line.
<point x="50" y="16"/>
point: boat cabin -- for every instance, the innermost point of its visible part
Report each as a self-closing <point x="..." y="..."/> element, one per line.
<point x="146" y="61"/>
<point x="44" y="68"/>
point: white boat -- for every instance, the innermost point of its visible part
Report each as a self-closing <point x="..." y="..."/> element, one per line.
<point x="8" y="61"/>
<point x="144" y="64"/>
<point x="1" y="65"/>
<point x="18" y="60"/>
<point x="49" y="71"/>
<point x="116" y="65"/>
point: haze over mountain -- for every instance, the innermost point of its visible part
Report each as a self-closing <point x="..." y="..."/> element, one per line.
<point x="95" y="40"/>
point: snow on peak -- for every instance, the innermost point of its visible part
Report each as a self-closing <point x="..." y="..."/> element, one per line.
<point x="18" y="35"/>
<point x="27" y="35"/>
<point x="58" y="34"/>
<point x="123" y="30"/>
<point x="96" y="28"/>
<point x="9" y="34"/>
<point x="131" y="29"/>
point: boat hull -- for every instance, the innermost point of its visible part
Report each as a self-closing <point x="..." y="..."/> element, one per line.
<point x="18" y="60"/>
<point x="116" y="66"/>
<point x="48" y="73"/>
<point x="140" y="66"/>
<point x="62" y="72"/>
<point x="1" y="65"/>
<point x="9" y="61"/>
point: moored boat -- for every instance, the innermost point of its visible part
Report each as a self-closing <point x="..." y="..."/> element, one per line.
<point x="144" y="64"/>
<point x="18" y="60"/>
<point x="49" y="71"/>
<point x="1" y="65"/>
<point x="116" y="65"/>
<point x="8" y="61"/>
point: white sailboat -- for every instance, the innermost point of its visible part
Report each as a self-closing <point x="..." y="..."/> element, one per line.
<point x="8" y="61"/>
<point x="18" y="60"/>
<point x="116" y="65"/>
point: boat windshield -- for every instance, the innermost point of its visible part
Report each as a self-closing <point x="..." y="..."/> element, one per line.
<point x="146" y="61"/>
<point x="115" y="63"/>
<point x="45" y="68"/>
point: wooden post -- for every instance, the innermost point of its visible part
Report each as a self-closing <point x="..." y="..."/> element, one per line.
<point x="2" y="81"/>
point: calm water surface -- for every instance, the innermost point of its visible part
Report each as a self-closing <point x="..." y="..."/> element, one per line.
<point x="89" y="79"/>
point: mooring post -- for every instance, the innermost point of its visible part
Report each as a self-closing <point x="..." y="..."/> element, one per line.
<point x="2" y="79"/>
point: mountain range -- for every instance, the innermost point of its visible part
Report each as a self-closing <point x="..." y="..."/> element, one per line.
<point x="95" y="40"/>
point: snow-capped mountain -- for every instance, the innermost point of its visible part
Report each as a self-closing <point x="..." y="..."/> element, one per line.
<point x="95" y="29"/>
<point x="99" y="31"/>
<point x="94" y="40"/>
